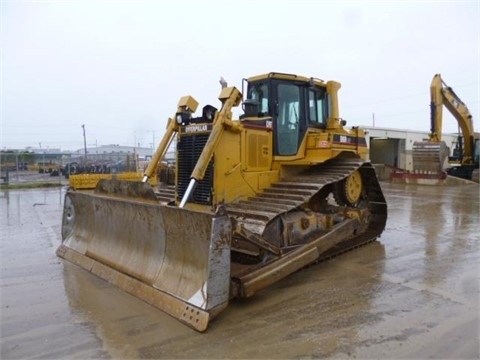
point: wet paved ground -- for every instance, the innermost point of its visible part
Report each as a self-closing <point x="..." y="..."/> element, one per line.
<point x="413" y="294"/>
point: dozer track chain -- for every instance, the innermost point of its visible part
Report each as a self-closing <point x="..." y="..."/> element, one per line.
<point x="293" y="192"/>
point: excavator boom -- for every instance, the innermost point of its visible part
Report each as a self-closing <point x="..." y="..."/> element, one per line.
<point x="432" y="155"/>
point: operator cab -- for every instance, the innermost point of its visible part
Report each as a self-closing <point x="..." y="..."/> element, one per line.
<point x="290" y="104"/>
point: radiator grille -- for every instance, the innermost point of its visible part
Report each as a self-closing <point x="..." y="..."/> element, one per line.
<point x="189" y="150"/>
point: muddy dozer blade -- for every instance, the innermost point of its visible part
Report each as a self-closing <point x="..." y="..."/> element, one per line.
<point x="175" y="259"/>
<point x="429" y="156"/>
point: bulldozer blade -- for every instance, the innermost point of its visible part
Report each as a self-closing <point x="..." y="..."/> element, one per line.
<point x="174" y="259"/>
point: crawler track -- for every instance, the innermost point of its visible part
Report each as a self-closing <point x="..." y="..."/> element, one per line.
<point x="299" y="191"/>
<point x="307" y="190"/>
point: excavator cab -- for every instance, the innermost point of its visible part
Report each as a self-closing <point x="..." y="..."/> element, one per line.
<point x="254" y="200"/>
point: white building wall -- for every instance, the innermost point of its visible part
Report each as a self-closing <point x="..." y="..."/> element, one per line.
<point x="405" y="140"/>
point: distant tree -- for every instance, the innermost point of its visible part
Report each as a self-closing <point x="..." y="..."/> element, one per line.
<point x="26" y="157"/>
<point x="10" y="158"/>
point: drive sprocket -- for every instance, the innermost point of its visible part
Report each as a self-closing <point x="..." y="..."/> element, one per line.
<point x="349" y="191"/>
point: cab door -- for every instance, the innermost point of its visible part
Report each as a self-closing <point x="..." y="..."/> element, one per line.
<point x="289" y="118"/>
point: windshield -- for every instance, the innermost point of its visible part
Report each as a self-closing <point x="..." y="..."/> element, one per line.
<point x="259" y="92"/>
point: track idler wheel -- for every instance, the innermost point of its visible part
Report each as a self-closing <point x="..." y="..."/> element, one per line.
<point x="349" y="191"/>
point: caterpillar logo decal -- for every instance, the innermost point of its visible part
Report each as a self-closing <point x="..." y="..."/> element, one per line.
<point x="196" y="128"/>
<point x="349" y="140"/>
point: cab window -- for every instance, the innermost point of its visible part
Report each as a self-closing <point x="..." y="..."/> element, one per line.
<point x="259" y="92"/>
<point x="317" y="107"/>
<point x="288" y="119"/>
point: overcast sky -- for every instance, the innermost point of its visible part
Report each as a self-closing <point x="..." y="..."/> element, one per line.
<point x="119" y="67"/>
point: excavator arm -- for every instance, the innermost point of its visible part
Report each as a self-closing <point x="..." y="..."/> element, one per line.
<point x="431" y="155"/>
<point x="443" y="95"/>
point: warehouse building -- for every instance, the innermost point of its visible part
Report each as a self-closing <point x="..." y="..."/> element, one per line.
<point x="393" y="147"/>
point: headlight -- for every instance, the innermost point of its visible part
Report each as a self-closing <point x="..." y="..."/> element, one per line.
<point x="179" y="119"/>
<point x="208" y="113"/>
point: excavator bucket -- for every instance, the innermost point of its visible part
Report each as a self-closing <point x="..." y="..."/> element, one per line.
<point x="177" y="260"/>
<point x="429" y="156"/>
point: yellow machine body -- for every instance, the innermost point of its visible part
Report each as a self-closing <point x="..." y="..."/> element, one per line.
<point x="433" y="155"/>
<point x="249" y="206"/>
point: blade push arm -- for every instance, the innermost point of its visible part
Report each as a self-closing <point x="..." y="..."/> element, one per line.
<point x="185" y="104"/>
<point x="230" y="97"/>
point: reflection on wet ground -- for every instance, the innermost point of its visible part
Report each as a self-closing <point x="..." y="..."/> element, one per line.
<point x="412" y="294"/>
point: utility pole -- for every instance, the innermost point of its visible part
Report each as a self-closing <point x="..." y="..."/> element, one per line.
<point x="84" y="143"/>
<point x="153" y="143"/>
<point x="16" y="162"/>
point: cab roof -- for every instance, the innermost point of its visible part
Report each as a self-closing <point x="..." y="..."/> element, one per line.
<point x="284" y="76"/>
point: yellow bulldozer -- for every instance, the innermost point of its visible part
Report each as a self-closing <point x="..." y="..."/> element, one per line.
<point x="255" y="199"/>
